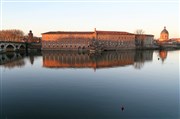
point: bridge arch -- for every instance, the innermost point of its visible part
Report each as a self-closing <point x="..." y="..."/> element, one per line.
<point x="2" y="46"/>
<point x="22" y="47"/>
<point x="10" y="47"/>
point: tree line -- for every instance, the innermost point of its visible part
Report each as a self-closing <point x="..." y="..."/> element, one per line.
<point x="13" y="35"/>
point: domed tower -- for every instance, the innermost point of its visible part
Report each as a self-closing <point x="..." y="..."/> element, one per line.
<point x="30" y="36"/>
<point x="164" y="36"/>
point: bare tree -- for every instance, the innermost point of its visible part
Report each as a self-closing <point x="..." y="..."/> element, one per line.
<point x="139" y="38"/>
<point x="13" y="35"/>
<point x="139" y="31"/>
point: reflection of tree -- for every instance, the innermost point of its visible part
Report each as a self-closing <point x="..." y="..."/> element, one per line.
<point x="138" y="65"/>
<point x="139" y="62"/>
<point x="18" y="63"/>
<point x="141" y="57"/>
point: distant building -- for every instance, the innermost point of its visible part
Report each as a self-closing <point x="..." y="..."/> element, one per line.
<point x="176" y="40"/>
<point x="144" y="41"/>
<point x="102" y="40"/>
<point x="31" y="39"/>
<point x="98" y="40"/>
<point x="30" y="36"/>
<point x="164" y="36"/>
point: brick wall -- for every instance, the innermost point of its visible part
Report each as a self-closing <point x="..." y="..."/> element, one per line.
<point x="83" y="40"/>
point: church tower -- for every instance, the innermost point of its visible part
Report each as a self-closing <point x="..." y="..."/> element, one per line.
<point x="164" y="36"/>
<point x="30" y="36"/>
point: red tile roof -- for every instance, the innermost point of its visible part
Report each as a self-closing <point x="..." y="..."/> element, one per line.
<point x="144" y="35"/>
<point x="67" y="32"/>
<point x="85" y="32"/>
<point x="114" y="32"/>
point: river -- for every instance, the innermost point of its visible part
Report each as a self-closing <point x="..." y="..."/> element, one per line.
<point x="76" y="85"/>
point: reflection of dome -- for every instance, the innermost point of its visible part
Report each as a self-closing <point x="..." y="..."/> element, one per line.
<point x="163" y="55"/>
<point x="164" y="35"/>
<point x="164" y="31"/>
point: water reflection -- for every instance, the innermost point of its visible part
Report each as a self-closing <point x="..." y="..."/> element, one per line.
<point x="16" y="59"/>
<point x="60" y="59"/>
<point x="163" y="55"/>
<point x="12" y="59"/>
<point x="69" y="59"/>
<point x="38" y="91"/>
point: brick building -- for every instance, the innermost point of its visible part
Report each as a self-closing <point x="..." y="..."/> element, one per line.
<point x="101" y="40"/>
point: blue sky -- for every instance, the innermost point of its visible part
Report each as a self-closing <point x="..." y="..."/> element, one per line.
<point x="71" y="16"/>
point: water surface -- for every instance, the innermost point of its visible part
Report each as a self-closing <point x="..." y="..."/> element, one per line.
<point x="109" y="85"/>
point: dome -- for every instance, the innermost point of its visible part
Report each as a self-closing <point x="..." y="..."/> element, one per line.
<point x="164" y="31"/>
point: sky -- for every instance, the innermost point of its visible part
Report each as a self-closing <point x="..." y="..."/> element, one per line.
<point x="120" y="15"/>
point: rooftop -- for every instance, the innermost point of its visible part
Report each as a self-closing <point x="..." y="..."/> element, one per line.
<point x="88" y="32"/>
<point x="164" y="31"/>
<point x="67" y="32"/>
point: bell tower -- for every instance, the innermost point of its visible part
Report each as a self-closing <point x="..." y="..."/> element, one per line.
<point x="30" y="36"/>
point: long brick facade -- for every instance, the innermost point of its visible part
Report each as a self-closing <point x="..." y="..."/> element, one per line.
<point x="101" y="40"/>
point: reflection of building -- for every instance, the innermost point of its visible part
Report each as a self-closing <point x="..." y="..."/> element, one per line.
<point x="164" y="36"/>
<point x="60" y="59"/>
<point x="80" y="60"/>
<point x="163" y="55"/>
<point x="103" y="40"/>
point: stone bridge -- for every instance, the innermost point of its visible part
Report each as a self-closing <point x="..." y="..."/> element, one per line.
<point x="12" y="46"/>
